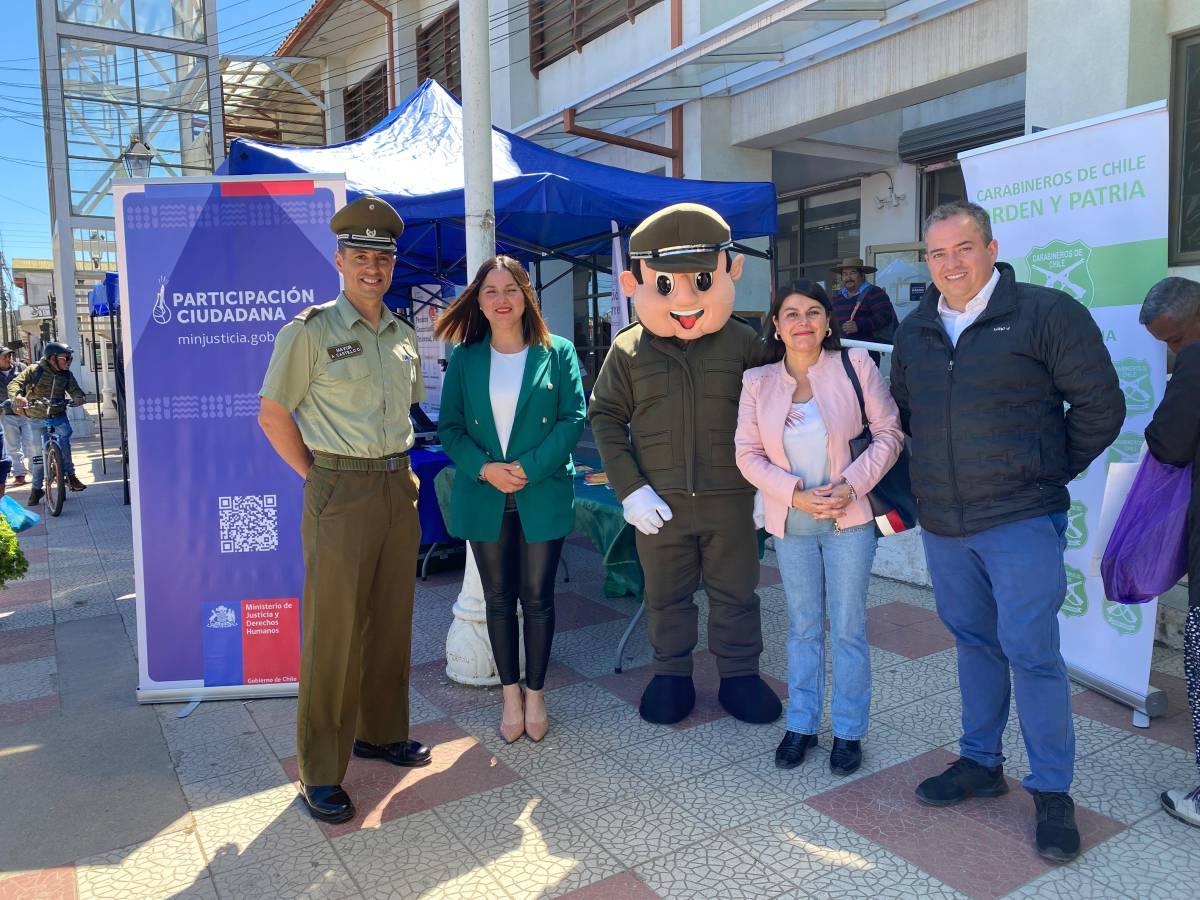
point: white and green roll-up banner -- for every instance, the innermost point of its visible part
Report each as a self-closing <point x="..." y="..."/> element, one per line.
<point x="1083" y="208"/>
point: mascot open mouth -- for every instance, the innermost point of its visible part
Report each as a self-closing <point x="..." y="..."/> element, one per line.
<point x="688" y="317"/>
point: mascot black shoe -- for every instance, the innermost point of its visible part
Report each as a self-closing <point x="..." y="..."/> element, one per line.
<point x="749" y="698"/>
<point x="668" y="699"/>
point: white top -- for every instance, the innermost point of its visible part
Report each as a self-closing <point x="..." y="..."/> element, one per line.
<point x="806" y="443"/>
<point x="956" y="322"/>
<point x="504" y="386"/>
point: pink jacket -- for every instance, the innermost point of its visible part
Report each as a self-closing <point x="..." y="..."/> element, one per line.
<point x="767" y="399"/>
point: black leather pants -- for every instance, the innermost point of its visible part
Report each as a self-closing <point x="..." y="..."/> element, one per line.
<point x="510" y="568"/>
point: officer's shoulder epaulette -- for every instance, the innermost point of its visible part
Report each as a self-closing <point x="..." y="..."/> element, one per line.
<point x="310" y="312"/>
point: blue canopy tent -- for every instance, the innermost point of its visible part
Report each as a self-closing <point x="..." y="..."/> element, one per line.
<point x="548" y="204"/>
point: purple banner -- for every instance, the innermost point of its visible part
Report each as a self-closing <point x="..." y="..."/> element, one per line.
<point x="210" y="271"/>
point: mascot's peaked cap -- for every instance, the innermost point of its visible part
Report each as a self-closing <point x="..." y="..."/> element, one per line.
<point x="686" y="237"/>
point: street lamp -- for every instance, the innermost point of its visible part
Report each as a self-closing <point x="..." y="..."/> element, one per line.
<point x="137" y="157"/>
<point x="97" y="249"/>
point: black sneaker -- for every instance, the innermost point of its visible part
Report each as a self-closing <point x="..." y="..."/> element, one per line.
<point x="845" y="757"/>
<point x="791" y="750"/>
<point x="964" y="778"/>
<point x="1057" y="833"/>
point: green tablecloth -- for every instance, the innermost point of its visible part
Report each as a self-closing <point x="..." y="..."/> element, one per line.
<point x="599" y="516"/>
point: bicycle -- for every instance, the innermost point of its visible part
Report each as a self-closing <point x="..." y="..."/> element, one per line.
<point x="54" y="471"/>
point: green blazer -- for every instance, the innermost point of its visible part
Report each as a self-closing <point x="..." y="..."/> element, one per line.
<point x="548" y="423"/>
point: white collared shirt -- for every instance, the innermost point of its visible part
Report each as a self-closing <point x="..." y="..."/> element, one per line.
<point x="956" y="322"/>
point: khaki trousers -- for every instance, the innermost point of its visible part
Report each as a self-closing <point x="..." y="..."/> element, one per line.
<point x="361" y="534"/>
<point x="710" y="540"/>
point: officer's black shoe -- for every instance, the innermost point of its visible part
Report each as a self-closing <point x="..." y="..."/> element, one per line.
<point x="791" y="750"/>
<point x="964" y="778"/>
<point x="668" y="699"/>
<point x="749" y="698"/>
<point x="411" y="754"/>
<point x="327" y="802"/>
<point x="1057" y="833"/>
<point x="35" y="497"/>
<point x="845" y="757"/>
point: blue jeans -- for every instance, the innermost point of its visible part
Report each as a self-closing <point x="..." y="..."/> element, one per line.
<point x="999" y="592"/>
<point x="828" y="572"/>
<point x="63" y="430"/>
<point x="18" y="439"/>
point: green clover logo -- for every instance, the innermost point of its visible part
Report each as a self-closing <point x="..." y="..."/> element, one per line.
<point x="1135" y="382"/>
<point x="1076" y="602"/>
<point x="1125" y="618"/>
<point x="1126" y="448"/>
<point x="1064" y="267"/>
<point x="1077" y="533"/>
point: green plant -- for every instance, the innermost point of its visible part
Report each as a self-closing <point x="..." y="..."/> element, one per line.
<point x="13" y="564"/>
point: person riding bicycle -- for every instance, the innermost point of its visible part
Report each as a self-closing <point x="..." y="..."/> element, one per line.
<point x="41" y="393"/>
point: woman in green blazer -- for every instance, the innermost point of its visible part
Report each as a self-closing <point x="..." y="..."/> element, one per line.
<point x="512" y="411"/>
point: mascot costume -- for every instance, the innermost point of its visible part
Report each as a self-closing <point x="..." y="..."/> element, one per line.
<point x="664" y="409"/>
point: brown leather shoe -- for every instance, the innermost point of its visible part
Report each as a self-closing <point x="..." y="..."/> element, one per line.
<point x="75" y="484"/>
<point x="19" y="480"/>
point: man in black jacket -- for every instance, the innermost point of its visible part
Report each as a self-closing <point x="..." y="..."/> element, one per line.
<point x="981" y="372"/>
<point x="1171" y="312"/>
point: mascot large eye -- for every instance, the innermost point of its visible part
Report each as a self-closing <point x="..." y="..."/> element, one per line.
<point x="703" y="281"/>
<point x="665" y="284"/>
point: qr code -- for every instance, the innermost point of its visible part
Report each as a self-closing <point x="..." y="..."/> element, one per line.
<point x="249" y="524"/>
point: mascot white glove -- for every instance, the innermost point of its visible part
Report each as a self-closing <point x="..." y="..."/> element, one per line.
<point x="645" y="510"/>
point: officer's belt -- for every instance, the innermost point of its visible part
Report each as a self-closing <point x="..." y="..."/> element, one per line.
<point x="393" y="463"/>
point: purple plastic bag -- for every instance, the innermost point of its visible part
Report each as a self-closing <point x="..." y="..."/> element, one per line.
<point x="1147" y="552"/>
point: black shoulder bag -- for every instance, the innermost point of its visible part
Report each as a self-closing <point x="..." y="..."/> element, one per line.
<point x="892" y="501"/>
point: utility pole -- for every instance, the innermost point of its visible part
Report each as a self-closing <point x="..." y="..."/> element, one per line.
<point x="476" y="67"/>
<point x="468" y="651"/>
<point x="4" y="300"/>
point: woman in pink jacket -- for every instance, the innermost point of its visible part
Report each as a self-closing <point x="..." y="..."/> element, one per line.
<point x="797" y="416"/>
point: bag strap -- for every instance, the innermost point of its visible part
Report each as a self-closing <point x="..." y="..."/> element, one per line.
<point x="858" y="392"/>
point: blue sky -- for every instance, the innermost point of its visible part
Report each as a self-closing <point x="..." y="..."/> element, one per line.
<point x="246" y="27"/>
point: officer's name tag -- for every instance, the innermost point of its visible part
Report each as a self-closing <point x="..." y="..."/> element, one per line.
<point x="344" y="351"/>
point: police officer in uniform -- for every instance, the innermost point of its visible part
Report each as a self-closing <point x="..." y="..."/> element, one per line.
<point x="334" y="405"/>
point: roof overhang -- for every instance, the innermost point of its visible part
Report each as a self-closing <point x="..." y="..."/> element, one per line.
<point x="308" y="25"/>
<point x="771" y="41"/>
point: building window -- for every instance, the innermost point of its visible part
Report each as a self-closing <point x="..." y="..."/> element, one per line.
<point x="815" y="233"/>
<point x="366" y="103"/>
<point x="559" y="27"/>
<point x="437" y="52"/>
<point x="111" y="94"/>
<point x="941" y="183"/>
<point x="1185" y="153"/>
<point x="161" y="18"/>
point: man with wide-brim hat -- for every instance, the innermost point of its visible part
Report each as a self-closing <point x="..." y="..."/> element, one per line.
<point x="664" y="410"/>
<point x="334" y="405"/>
<point x="864" y="311"/>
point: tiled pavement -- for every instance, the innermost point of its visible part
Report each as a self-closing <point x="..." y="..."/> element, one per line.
<point x="607" y="806"/>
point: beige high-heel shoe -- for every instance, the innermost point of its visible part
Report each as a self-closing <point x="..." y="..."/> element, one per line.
<point x="511" y="730"/>
<point x="536" y="728"/>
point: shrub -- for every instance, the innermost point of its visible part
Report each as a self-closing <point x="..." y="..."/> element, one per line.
<point x="13" y="564"/>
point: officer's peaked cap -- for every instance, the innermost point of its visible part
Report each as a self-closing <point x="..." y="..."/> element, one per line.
<point x="368" y="223"/>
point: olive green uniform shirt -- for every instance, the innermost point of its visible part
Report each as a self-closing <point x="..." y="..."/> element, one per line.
<point x="349" y="385"/>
